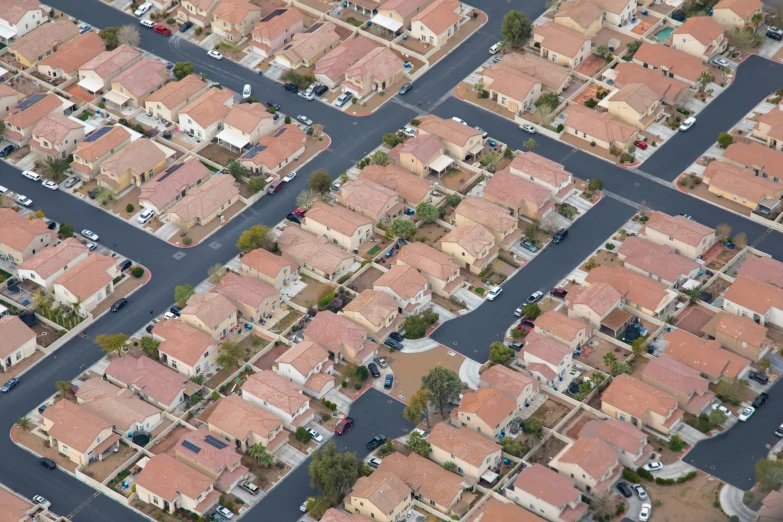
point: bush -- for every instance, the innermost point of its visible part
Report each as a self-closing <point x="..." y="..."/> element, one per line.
<point x="676" y="443"/>
<point x="187" y="240"/>
<point x="630" y="476"/>
<point x="129" y="208"/>
<point x="591" y="103"/>
<point x="479" y="290"/>
<point x="137" y="272"/>
<point x="609" y="246"/>
<point x="199" y="30"/>
<point x="560" y="127"/>
<point x="325" y="417"/>
<point x="302" y="435"/>
<point x="644" y="474"/>
<point x="345" y="384"/>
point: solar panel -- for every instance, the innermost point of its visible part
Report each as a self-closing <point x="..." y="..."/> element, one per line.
<point x="27" y="102"/>
<point x="273" y="14"/>
<point x="169" y="171"/>
<point x="97" y="134"/>
<point x="313" y="28"/>
<point x="255" y="150"/>
<point x="280" y="132"/>
<point x="189" y="445"/>
<point x="219" y="444"/>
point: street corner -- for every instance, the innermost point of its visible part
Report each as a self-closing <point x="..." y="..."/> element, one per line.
<point x="327" y="141"/>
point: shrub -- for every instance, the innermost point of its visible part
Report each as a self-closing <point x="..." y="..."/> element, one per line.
<point x="591" y="103"/>
<point x="630" y="476"/>
<point x="137" y="272"/>
<point x="484" y="95"/>
<point x="609" y="246"/>
<point x="560" y="127"/>
<point x="302" y="435"/>
<point x="345" y="384"/>
<point x="129" y="208"/>
<point x="187" y="240"/>
<point x="479" y="290"/>
<point x="199" y="30"/>
<point x="644" y="474"/>
<point x="357" y="386"/>
<point x="325" y="417"/>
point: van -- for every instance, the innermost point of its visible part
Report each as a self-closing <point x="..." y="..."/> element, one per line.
<point x="276" y="186"/>
<point x="29" y="174"/>
<point x="560" y="235"/>
<point x="495" y="49"/>
<point x="143" y="8"/>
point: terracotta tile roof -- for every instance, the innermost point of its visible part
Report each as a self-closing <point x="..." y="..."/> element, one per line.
<point x="37" y="42"/>
<point x="423" y="147"/>
<point x="335" y="515"/>
<point x="561" y="39"/>
<point x="507" y="380"/>
<point x="311" y="250"/>
<point x="774" y="119"/>
<point x="675" y="375"/>
<point x="74" y="426"/>
<point x="336" y="218"/>
<point x="209" y="108"/>
<point x="562" y="326"/>
<point x="304" y="356"/>
<point x="408" y="185"/>
<point x="72" y="55"/>
<point x="658" y="260"/>
<point x="599" y="297"/>
<point x="208" y="455"/>
<point x="594" y="456"/>
<point x="54" y="128"/>
<point x="206" y="199"/>
<point x="600" y="125"/>
<point x="138" y="157"/>
<point x="612" y="6"/>
<point x="514" y="190"/>
<point x="341" y="58"/>
<point x="274" y="150"/>
<point x="169" y="184"/>
<point x="366" y="195"/>
<point x="92" y="150"/>
<point x="166" y="477"/>
<point x="676" y="62"/>
<point x="246" y="290"/>
<point x="546" y="348"/>
<point x="757" y="156"/>
<point x="211" y="308"/>
<point x="13" y="334"/>
<point x="680" y="228"/>
<point x="741" y="182"/>
<point x="247" y="116"/>
<point x="318" y="380"/>
<point x="7" y="90"/>
<point x="202" y="4"/>
<point x="540" y="168"/>
<point x="771" y="507"/>
<point x="765" y="269"/>
<point x="492" y="216"/>
<point x="13" y="508"/>
<point x="638" y="96"/>
<point x="272" y="27"/>
<point x="509" y="81"/>
<point x="150" y="377"/>
<point x="182" y="342"/>
<point x="110" y="62"/>
<point x="380" y="63"/>
<point x="174" y="93"/>
<point x="745" y="9"/>
<point x="17" y="231"/>
<point x="383" y="490"/>
<point x="334" y="331"/>
<point x="119" y="406"/>
<point x="239" y="418"/>
<point x="617" y="433"/>
<point x="637" y="398"/>
<point x="548" y="73"/>
<point x="428" y="260"/>
<point x="705" y="356"/>
<point x="472" y="238"/>
<point x="50" y="260"/>
<point x="424" y="477"/>
<point x="14" y="10"/>
<point x="667" y="89"/>
<point x="404" y="8"/>
<point x="234" y="11"/>
<point x="267" y="263"/>
<point x="547" y="485"/>
<point x="32" y="113"/>
<point x="305" y="46"/>
<point x="403" y="280"/>
<point x="375" y="305"/>
<point x="494" y="510"/>
<point x="88" y="277"/>
<point x="447" y="130"/>
<point x="634" y="287"/>
<point x="488" y="404"/>
<point x="278" y="391"/>
<point x="583" y="12"/>
<point x="464" y="443"/>
<point x="541" y="368"/>
<point x="741" y="328"/>
<point x="703" y="28"/>
<point x="440" y="15"/>
<point x="143" y="76"/>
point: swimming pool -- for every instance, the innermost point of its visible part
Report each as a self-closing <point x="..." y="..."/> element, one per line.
<point x="663" y="34"/>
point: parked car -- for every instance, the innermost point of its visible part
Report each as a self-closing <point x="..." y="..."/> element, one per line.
<point x="623" y="488"/>
<point x="687" y="124"/>
<point x="528" y="245"/>
<point x="644" y="514"/>
<point x="484" y="133"/>
<point x="526" y="325"/>
<point x="559" y="236"/>
<point x="746" y="413"/>
<point x="528" y="128"/>
<point x="303" y="507"/>
<point x="275" y="186"/>
<point x="641" y="144"/>
<point x="84" y="27"/>
<point x="343" y="426"/>
<point x="42" y="408"/>
<point x="89" y="234"/>
<point x="374" y="462"/>
<point x="184" y="27"/>
<point x="125" y="265"/>
<point x="176" y="310"/>
<point x="518" y="312"/>
<point x="24" y="200"/>
<point x="274" y="105"/>
<point x="320" y="90"/>
<point x="640" y="492"/>
<point x="535" y="297"/>
<point x="724" y="409"/>
<point x="300" y="212"/>
<point x="393" y="343"/>
<point x="7" y="151"/>
<point x="380" y="361"/>
<point x="306" y="95"/>
<point x="459" y="120"/>
<point x="376" y="442"/>
<point x="653" y="466"/>
<point x="224" y="511"/>
<point x="315" y="435"/>
<point x="304" y="119"/>
<point x="215" y="54"/>
<point x="559" y="292"/>
<point x="290" y="176"/>
<point x="397" y="336"/>
<point x="162" y="29"/>
<point x="38" y="499"/>
<point x="143" y="8"/>
<point x="389" y="381"/>
<point x="3" y="189"/>
<point x="290" y="87"/>
<point x="149" y="24"/>
<point x="246" y="90"/>
<point x="495" y="49"/>
<point x="758" y="377"/>
<point x="774" y="33"/>
<point x="294" y="218"/>
<point x="119" y="305"/>
<point x="343" y="99"/>
<point x="494" y="292"/>
<point x="29" y="174"/>
<point x="779" y="431"/>
<point x="249" y="487"/>
<point x="47" y="463"/>
<point x="405" y="88"/>
<point x="91" y="247"/>
<point x="51" y="185"/>
<point x="374" y="370"/>
<point x="10" y="384"/>
<point x="720" y="62"/>
<point x="760" y="400"/>
<point x="145" y="216"/>
<point x="51" y="225"/>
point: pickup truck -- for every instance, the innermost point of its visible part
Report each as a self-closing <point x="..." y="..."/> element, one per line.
<point x="376" y="442"/>
<point x="343" y="426"/>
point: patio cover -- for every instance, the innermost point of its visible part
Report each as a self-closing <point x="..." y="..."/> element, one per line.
<point x="7" y="33"/>
<point x="441" y="164"/>
<point x="116" y="97"/>
<point x="234" y="139"/>
<point x="91" y="84"/>
<point x="475" y="149"/>
<point x="386" y="23"/>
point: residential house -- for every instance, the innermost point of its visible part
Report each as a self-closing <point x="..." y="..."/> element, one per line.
<point x="639" y="292"/>
<point x="737" y="14"/>
<point x="488" y="411"/>
<point x="658" y="262"/>
<point x="235" y="19"/>
<point x="669" y="90"/>
<point x="431" y="484"/>
<point x="685" y="236"/>
<point x="274" y="152"/>
<point x="134" y="164"/>
<point x="680" y="380"/>
<point x="152" y="381"/>
<point x="13" y="507"/>
<point x="48" y="264"/>
<point x="517" y="386"/>
<point x="96" y="75"/>
<point x="339" y="225"/>
<point x="757" y="177"/>
<point x="9" y="98"/>
<point x="87" y="284"/>
<point x="769" y="128"/>
<point x="544" y="172"/>
<point x="618" y="12"/>
<point x="173" y="184"/>
<point x="375" y="310"/>
<point x="330" y="70"/>
<point x="381" y="496"/>
<point x="121" y="407"/>
<point x="461" y="141"/>
<point x="629" y="442"/>
<point x="699" y="36"/>
<point x="437" y="23"/>
<point x="597" y="304"/>
<point x="409" y="289"/>
<point x="546" y="359"/>
<point x="245" y="424"/>
<point x="470" y="246"/>
<point x="216" y="459"/>
<point x="561" y="45"/>
<point x="17" y="341"/>
<point x="278" y="395"/>
<point x="306" y="48"/>
<point x="411" y="188"/>
<point x="203" y="117"/>
<point x="374" y="72"/>
<point x="253" y="299"/>
<point x="56" y="136"/>
<point x="473" y="454"/>
<point x="166" y="102"/>
<point x="395" y="15"/>
<point x="245" y="124"/>
<point x="493" y="217"/>
<point x="630" y="400"/>
<point x="370" y="200"/>
<point x="422" y="155"/>
<point x="495" y="509"/>
<point x="307" y="364"/>
<point x="132" y="86"/>
<point x="740" y="335"/>
<point x="212" y="313"/>
<point x="591" y="463"/>
<point x="771" y="507"/>
<point x="96" y="148"/>
<point x="437" y="267"/>
<point x="672" y="63"/>
<point x="21" y="238"/>
<point x="205" y="202"/>
<point x="342" y="338"/>
<point x="335" y="515"/>
<point x="169" y="484"/>
<point x="547" y="493"/>
<point x="600" y="128"/>
<point x="197" y="12"/>
<point x="186" y="349"/>
<point x="315" y="253"/>
<point x="23" y="118"/>
<point x="520" y="196"/>
<point x="19" y="17"/>
<point x="552" y="76"/>
<point x="636" y="104"/>
<point x="77" y="433"/>
<point x="570" y="331"/>
<point x="764" y="269"/>
<point x="43" y="41"/>
<point x="268" y="267"/>
<point x="70" y="56"/>
<point x="275" y="30"/>
<point x="707" y="357"/>
<point x="583" y="16"/>
<point x="510" y="88"/>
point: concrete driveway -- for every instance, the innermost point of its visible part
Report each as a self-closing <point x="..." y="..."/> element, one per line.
<point x="343" y="403"/>
<point x="290" y="455"/>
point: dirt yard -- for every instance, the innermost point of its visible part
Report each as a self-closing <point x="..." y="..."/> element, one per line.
<point x="548" y="451"/>
<point x="550" y="413"/>
<point x="693" y="319"/>
<point x="265" y="361"/>
<point x="604" y="258"/>
<point x="310" y="294"/>
<point x="593" y="354"/>
<point x="365" y="280"/>
<point x="409" y="368"/>
<point x="101" y="470"/>
<point x="573" y="428"/>
<point x="431" y="233"/>
<point x="267" y="477"/>
<point x="168" y="441"/>
<point x="691" y="501"/>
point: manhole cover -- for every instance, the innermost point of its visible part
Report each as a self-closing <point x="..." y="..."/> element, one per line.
<point x="712" y="467"/>
<point x="179" y="255"/>
<point x="390" y="401"/>
<point x="455" y="343"/>
<point x="215" y="245"/>
<point x="637" y="184"/>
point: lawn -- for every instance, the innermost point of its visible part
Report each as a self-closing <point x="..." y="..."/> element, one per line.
<point x="85" y="115"/>
<point x="374" y="250"/>
<point x="210" y="167"/>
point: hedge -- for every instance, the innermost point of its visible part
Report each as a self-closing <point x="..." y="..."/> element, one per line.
<point x="630" y="476"/>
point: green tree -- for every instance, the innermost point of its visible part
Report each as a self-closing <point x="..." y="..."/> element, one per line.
<point x="64" y="387"/>
<point x="610" y="359"/>
<point x="515" y="447"/>
<point x="401" y="227"/>
<point x="362" y="373"/>
<point x="442" y="385"/>
<point x="320" y="181"/>
<point x="150" y="347"/>
<point x="531" y="311"/>
<point x="546" y="104"/>
<point x="430" y="316"/>
<point x="450" y="466"/>
<point x="334" y="472"/>
<point x="256" y="185"/>
<point x="601" y="50"/>
<point x="534" y="427"/>
<point x="25" y="423"/>
<point x="716" y="418"/>
<point x="379" y="157"/>
<point x="65" y="230"/>
<point x="725" y="139"/>
<point x="732" y="390"/>
<point x="230" y="353"/>
<point x="417" y="444"/>
<point x="287" y="120"/>
<point x="415" y="327"/>
<point x="490" y="159"/>
<point x="112" y="343"/>
<point x="235" y="169"/>
<point x="182" y="69"/>
<point x="693" y="294"/>
<point x="633" y="46"/>
<point x="478" y="87"/>
<point x="182" y="293"/>
<point x="302" y="435"/>
<point x="418" y="405"/>
<point x="595" y="184"/>
<point x="639" y="346"/>
<point x="704" y="79"/>
<point x="530" y="144"/>
<point x="109" y="36"/>
<point x="392" y="139"/>
<point x="532" y="231"/>
<point x="676" y="443"/>
<point x="258" y="452"/>
<point x="516" y="28"/>
<point x="584" y="390"/>
<point x="568" y="211"/>
<point x="257" y="236"/>
<point x="54" y="168"/>
<point x="499" y="353"/>
<point x="769" y="474"/>
<point x="620" y="368"/>
<point x="453" y="200"/>
<point x="427" y="212"/>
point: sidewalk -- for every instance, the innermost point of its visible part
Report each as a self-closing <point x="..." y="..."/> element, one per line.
<point x="469" y="373"/>
<point x="731" y="502"/>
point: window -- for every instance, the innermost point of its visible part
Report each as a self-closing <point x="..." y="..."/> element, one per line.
<point x="19" y="355"/>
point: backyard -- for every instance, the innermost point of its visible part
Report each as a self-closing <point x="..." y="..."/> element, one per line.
<point x="550" y="413"/>
<point x="218" y="154"/>
<point x="595" y="350"/>
<point x="548" y="451"/>
<point x="365" y="280"/>
<point x="430" y="233"/>
<point x="314" y="291"/>
<point x="267" y="477"/>
<point x="100" y="470"/>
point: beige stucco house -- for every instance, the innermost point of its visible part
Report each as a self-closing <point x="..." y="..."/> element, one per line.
<point x="473" y="453"/>
<point x="77" y="433"/>
<point x="212" y="313"/>
<point x="197" y="12"/>
<point x="636" y="104"/>
<point x="700" y="36"/>
<point x="21" y="238"/>
<point x="339" y="225"/>
<point x="234" y="19"/>
<point x="470" y="246"/>
<point x="630" y="400"/>
<point x="561" y="45"/>
<point x="736" y="14"/>
<point x="375" y="310"/>
<point x="166" y="102"/>
<point x="438" y="268"/>
<point x="685" y="236"/>
<point x="88" y="283"/>
<point x="438" y="22"/>
<point x="17" y="341"/>
<point x="270" y="268"/>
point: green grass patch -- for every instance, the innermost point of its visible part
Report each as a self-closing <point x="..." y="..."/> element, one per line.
<point x="85" y="115"/>
<point x="210" y="167"/>
<point x="374" y="250"/>
<point x="354" y="22"/>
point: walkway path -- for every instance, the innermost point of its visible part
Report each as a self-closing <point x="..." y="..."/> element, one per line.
<point x="731" y="502"/>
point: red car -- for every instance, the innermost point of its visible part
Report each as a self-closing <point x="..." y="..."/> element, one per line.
<point x="526" y="325"/>
<point x="300" y="212"/>
<point x="162" y="29"/>
<point x="343" y="426"/>
<point x="641" y="144"/>
<point x="559" y="292"/>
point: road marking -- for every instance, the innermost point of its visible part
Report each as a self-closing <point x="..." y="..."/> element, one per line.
<point x="407" y="105"/>
<point x="621" y="199"/>
<point x="82" y="505"/>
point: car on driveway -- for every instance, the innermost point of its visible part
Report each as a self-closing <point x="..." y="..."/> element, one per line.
<point x="526" y="325"/>
<point x="47" y="463"/>
<point x="774" y="33"/>
<point x="225" y="512"/>
<point x="10" y="384"/>
<point x="249" y="487"/>
<point x="374" y="370"/>
<point x="758" y="377"/>
<point x="145" y="216"/>
<point x="484" y="133"/>
<point x="294" y="218"/>
<point x="320" y="90"/>
<point x="119" y="305"/>
<point x="760" y="400"/>
<point x="640" y="492"/>
<point x="393" y="343"/>
<point x="644" y="514"/>
<point x="389" y="381"/>
<point x="38" y="499"/>
<point x="215" y="54"/>
<point x="304" y="119"/>
<point x="89" y="234"/>
<point x="374" y="462"/>
<point x="149" y="24"/>
<point x="290" y="176"/>
<point x="91" y="247"/>
<point x="528" y="245"/>
<point x="143" y="8"/>
<point x="343" y="99"/>
<point x="623" y="488"/>
<point x="528" y="128"/>
<point x="641" y="144"/>
<point x="83" y="28"/>
<point x="687" y="124"/>
<point x="24" y="200"/>
<point x="559" y="292"/>
<point x="315" y="435"/>
<point x="535" y="297"/>
<point x="70" y="182"/>
<point x="306" y="95"/>
<point x="720" y="62"/>
<point x="746" y="413"/>
<point x="343" y="426"/>
<point x="397" y="336"/>
<point x="653" y="466"/>
<point x="380" y="361"/>
<point x="274" y="105"/>
<point x="7" y="151"/>
<point x="376" y="442"/>
<point x="724" y="409"/>
<point x="494" y="292"/>
<point x="184" y="27"/>
<point x="779" y="431"/>
<point x="51" y="185"/>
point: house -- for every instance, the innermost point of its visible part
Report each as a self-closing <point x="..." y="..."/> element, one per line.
<point x="126" y="412"/>
<point x="339" y="225"/>
<point x="212" y="313"/>
<point x="570" y="331"/>
<point x="235" y="19"/>
<point x="205" y="202"/>
<point x="744" y="186"/>
<point x="169" y="484"/>
<point x="253" y="299"/>
<point x="335" y="515"/>
<point x="639" y="292"/>
<point x="186" y="349"/>
<point x="55" y="136"/>
<point x="520" y="196"/>
<point x="96" y="148"/>
<point x="330" y="70"/>
<point x="546" y="359"/>
<point x="17" y="341"/>
<point x="437" y="23"/>
<point x="21" y="238"/>
<point x="545" y="492"/>
<point x="600" y="128"/>
<point x="132" y="86"/>
<point x="582" y="16"/>
<point x="278" y="395"/>
<point x="13" y="507"/>
<point x="197" y="12"/>
<point x="19" y="17"/>
<point x="437" y="267"/>
<point x="268" y="267"/>
<point x="769" y="128"/>
<point x="736" y="14"/>
<point x="495" y="509"/>
<point x="315" y="253"/>
<point x="591" y="463"/>
<point x="409" y="289"/>
<point x="70" y="56"/>
<point x="423" y="155"/>
<point x="48" y="264"/>
<point x="245" y="424"/>
<point x="552" y="76"/>
<point x="487" y="411"/>
<point x="411" y="188"/>
<point x="152" y="381"/>
<point x="375" y="310"/>
<point x="306" y="48"/>
<point x="342" y="338"/>
<point x="712" y="361"/>
<point x="473" y="454"/>
<point x="374" y="72"/>
<point x="680" y="380"/>
<point x="203" y="117"/>
<point x="77" y="433"/>
<point x="166" y="102"/>
<point x="595" y="304"/>
<point x="216" y="459"/>
<point x="135" y="164"/>
<point x="470" y="246"/>
<point x="395" y="15"/>
<point x="699" y="36"/>
<point x="517" y="386"/>
<point x="23" y="118"/>
<point x="629" y="442"/>
<point x="307" y="364"/>
<point x="685" y="236"/>
<point x="370" y="200"/>
<point x="491" y="216"/>
<point x="431" y="484"/>
<point x="759" y="180"/>
<point x="561" y="45"/>
<point x="97" y="74"/>
<point x="275" y="30"/>
<point x="43" y="41"/>
<point x="771" y="508"/>
<point x="740" y="335"/>
<point x="461" y="141"/>
<point x="381" y="496"/>
<point x="245" y="124"/>
<point x="274" y="152"/>
<point x="658" y="262"/>
<point x="173" y="184"/>
<point x="87" y="284"/>
<point x="510" y="88"/>
<point x="9" y="98"/>
<point x="672" y="63"/>
<point x="764" y="269"/>
<point x="630" y="400"/>
<point x="636" y="104"/>
<point x="545" y="173"/>
<point x="670" y="91"/>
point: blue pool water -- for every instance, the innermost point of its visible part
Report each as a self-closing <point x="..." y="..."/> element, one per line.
<point x="663" y="34"/>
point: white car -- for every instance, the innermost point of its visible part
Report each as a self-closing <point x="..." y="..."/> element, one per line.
<point x="644" y="514"/>
<point x="535" y="297"/>
<point x="29" y="174"/>
<point x="24" y="200"/>
<point x="149" y="24"/>
<point x="653" y="466"/>
<point x="495" y="48"/>
<point x="246" y="91"/>
<point x="215" y="54"/>
<point x="225" y="512"/>
<point x="170" y="315"/>
<point x="89" y="234"/>
<point x="528" y="128"/>
<point x="315" y="435"/>
<point x="408" y="131"/>
<point x="143" y="8"/>
<point x="343" y="99"/>
<point x="38" y="499"/>
<point x="640" y="491"/>
<point x="51" y="185"/>
<point x="484" y="133"/>
<point x="145" y="216"/>
<point x="303" y="507"/>
<point x="492" y="294"/>
<point x="720" y="62"/>
<point x="687" y="124"/>
<point x="746" y="413"/>
<point x="91" y="247"/>
<point x="289" y="177"/>
<point x="3" y="189"/>
<point x="459" y="120"/>
<point x="304" y="119"/>
<point x="724" y="409"/>
<point x="83" y="28"/>
<point x="306" y="95"/>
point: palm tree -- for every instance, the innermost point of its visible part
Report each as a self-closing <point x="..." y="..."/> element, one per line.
<point x="233" y="168"/>
<point x="258" y="452"/>
<point x="694" y="294"/>
<point x="530" y="144"/>
<point x="55" y="168"/>
<point x="24" y="423"/>
<point x="704" y="79"/>
<point x="755" y="20"/>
